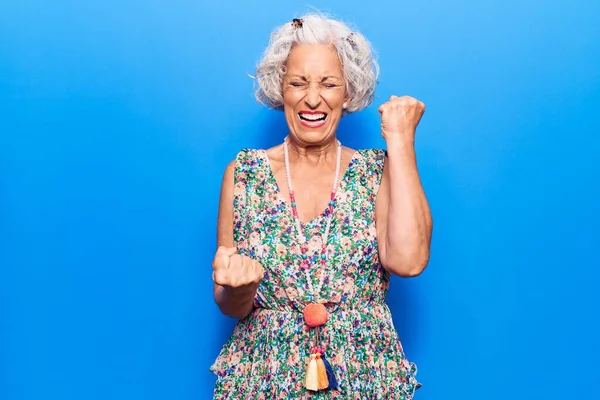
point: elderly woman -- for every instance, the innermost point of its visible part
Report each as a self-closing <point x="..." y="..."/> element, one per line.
<point x="309" y="231"/>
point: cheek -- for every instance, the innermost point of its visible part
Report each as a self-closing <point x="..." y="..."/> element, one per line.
<point x="335" y="99"/>
<point x="290" y="102"/>
<point x="291" y="97"/>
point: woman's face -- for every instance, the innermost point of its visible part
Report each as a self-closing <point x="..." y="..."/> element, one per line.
<point x="314" y="92"/>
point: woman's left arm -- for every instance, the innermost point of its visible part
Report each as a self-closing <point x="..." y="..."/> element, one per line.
<point x="403" y="218"/>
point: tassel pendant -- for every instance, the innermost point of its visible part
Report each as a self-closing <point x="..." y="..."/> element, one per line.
<point x="312" y="374"/>
<point x="322" y="373"/>
<point x="319" y="373"/>
<point x="333" y="384"/>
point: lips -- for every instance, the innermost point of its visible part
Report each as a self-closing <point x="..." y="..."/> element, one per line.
<point x="312" y="119"/>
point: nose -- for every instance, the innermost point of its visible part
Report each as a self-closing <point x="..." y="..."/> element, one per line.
<point x="313" y="97"/>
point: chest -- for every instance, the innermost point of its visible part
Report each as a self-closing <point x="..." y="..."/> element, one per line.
<point x="312" y="192"/>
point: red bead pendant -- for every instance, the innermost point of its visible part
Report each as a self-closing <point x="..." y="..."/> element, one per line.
<point x="315" y="314"/>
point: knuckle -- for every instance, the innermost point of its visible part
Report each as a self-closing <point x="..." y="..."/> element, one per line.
<point x="219" y="277"/>
<point x="217" y="263"/>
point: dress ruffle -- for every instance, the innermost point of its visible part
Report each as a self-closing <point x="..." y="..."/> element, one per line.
<point x="364" y="351"/>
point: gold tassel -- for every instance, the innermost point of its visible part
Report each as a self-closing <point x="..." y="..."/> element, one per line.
<point x="322" y="373"/>
<point x="312" y="375"/>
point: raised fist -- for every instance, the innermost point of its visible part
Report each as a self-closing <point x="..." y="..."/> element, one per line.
<point x="400" y="117"/>
<point x="235" y="271"/>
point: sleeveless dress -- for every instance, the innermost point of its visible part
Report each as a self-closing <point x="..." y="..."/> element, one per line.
<point x="267" y="354"/>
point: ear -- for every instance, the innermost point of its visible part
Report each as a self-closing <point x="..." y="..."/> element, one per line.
<point x="346" y="101"/>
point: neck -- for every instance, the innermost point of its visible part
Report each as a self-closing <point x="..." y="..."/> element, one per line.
<point x="298" y="149"/>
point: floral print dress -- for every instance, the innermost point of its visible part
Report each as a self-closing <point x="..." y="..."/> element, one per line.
<point x="267" y="354"/>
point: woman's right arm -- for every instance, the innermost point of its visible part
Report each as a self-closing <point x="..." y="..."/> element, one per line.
<point x="236" y="277"/>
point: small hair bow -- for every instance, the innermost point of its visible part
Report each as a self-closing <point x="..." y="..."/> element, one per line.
<point x="350" y="39"/>
<point x="297" y="23"/>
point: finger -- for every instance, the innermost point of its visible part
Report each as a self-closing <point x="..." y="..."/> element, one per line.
<point x="230" y="252"/>
<point x="256" y="271"/>
<point x="253" y="269"/>
<point x="221" y="259"/>
<point x="394" y="97"/>
<point x="219" y="278"/>
<point x="236" y="261"/>
<point x="246" y="270"/>
<point x="244" y="264"/>
<point x="261" y="271"/>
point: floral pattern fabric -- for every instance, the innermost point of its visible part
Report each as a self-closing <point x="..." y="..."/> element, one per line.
<point x="267" y="354"/>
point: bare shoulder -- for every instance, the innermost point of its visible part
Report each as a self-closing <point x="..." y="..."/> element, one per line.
<point x="348" y="154"/>
<point x="275" y="156"/>
<point x="233" y="164"/>
<point x="275" y="153"/>
<point x="228" y="182"/>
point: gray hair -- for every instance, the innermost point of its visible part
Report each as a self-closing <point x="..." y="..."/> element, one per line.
<point x="359" y="65"/>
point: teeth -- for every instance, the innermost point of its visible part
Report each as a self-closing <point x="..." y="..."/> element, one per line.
<point x="312" y="117"/>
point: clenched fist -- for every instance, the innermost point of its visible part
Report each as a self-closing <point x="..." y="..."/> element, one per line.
<point x="400" y="117"/>
<point x="235" y="271"/>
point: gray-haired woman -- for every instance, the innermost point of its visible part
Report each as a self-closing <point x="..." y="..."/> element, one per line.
<point x="309" y="231"/>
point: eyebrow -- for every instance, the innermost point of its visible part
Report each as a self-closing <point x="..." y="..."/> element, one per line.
<point x="322" y="80"/>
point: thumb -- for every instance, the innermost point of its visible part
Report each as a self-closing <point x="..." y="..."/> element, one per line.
<point x="231" y="251"/>
<point x="226" y="251"/>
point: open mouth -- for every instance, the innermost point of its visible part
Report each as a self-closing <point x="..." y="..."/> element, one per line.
<point x="312" y="119"/>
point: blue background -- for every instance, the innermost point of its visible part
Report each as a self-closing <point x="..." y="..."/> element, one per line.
<point x="117" y="120"/>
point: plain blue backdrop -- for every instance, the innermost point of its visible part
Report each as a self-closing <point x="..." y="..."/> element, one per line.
<point x="117" y="119"/>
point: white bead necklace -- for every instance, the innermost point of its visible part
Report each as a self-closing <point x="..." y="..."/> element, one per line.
<point x="305" y="265"/>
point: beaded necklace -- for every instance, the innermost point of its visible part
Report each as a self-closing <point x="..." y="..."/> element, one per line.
<point x="319" y="374"/>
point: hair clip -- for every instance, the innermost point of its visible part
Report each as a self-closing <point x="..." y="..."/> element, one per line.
<point x="297" y="23"/>
<point x="350" y="39"/>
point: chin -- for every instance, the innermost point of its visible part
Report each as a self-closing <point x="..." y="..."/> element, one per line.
<point x="314" y="135"/>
